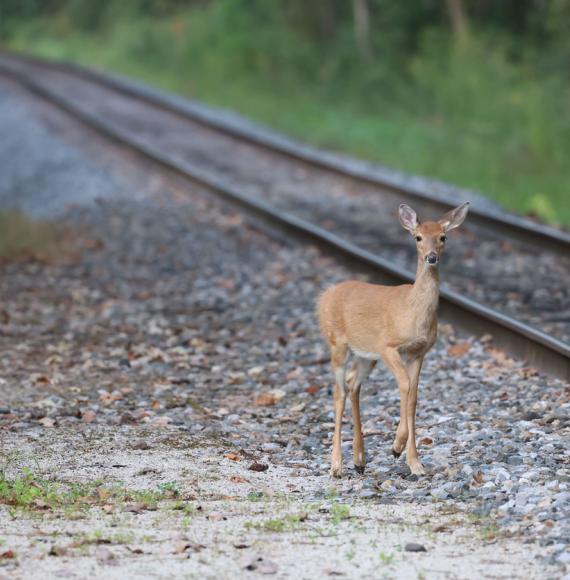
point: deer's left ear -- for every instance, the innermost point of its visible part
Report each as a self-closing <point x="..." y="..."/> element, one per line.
<point x="455" y="217"/>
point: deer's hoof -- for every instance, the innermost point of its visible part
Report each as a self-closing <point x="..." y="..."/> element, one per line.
<point x="359" y="469"/>
<point x="336" y="471"/>
<point x="395" y="453"/>
<point x="416" y="467"/>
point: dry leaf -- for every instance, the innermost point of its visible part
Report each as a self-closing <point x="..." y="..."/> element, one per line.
<point x="312" y="390"/>
<point x="426" y="441"/>
<point x="161" y="421"/>
<point x="265" y="400"/>
<point x="501" y="357"/>
<point x="88" y="416"/>
<point x="181" y="547"/>
<point x="232" y="456"/>
<point x="139" y="507"/>
<point x="257" y="466"/>
<point x="238" y="479"/>
<point x="459" y="349"/>
<point x="47" y="422"/>
<point x="528" y="372"/>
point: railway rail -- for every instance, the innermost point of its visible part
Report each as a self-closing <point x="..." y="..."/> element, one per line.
<point x="521" y="340"/>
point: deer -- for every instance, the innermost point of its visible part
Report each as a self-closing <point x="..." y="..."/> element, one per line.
<point x="363" y="323"/>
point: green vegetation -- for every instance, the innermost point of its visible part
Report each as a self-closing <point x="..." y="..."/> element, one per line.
<point x="286" y="523"/>
<point x="339" y="512"/>
<point x="480" y="99"/>
<point x="387" y="558"/>
<point x="22" y="238"/>
<point x="32" y="493"/>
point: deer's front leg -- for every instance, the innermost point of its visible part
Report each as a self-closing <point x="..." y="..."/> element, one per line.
<point x="414" y="368"/>
<point x="394" y="362"/>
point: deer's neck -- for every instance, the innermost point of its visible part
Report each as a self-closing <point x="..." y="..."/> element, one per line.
<point x="425" y="291"/>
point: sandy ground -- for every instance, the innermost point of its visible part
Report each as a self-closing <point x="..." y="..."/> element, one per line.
<point x="230" y="526"/>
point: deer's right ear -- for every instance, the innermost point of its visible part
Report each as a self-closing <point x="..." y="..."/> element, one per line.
<point x="408" y="218"/>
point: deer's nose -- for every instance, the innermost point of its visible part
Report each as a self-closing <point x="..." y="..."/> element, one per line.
<point x="432" y="258"/>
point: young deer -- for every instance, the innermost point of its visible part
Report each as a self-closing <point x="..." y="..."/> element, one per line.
<point x="398" y="324"/>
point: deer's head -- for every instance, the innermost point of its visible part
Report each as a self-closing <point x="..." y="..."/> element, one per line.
<point x="431" y="236"/>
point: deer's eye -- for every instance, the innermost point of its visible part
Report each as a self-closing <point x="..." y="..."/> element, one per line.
<point x="443" y="238"/>
<point x="418" y="238"/>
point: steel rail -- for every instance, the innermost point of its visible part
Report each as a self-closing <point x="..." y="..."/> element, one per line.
<point x="519" y="340"/>
<point x="499" y="224"/>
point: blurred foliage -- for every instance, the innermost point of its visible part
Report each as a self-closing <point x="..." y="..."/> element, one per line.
<point x="24" y="239"/>
<point x="479" y="96"/>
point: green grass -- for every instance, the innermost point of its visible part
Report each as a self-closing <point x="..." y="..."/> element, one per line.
<point x="286" y="523"/>
<point x="23" y="238"/>
<point x="470" y="117"/>
<point x="30" y="492"/>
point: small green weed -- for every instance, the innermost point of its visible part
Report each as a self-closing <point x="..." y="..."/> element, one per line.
<point x="387" y="558"/>
<point x="285" y="524"/>
<point x="339" y="512"/>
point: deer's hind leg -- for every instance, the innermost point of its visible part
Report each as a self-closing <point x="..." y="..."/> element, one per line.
<point x="359" y="371"/>
<point x="339" y="360"/>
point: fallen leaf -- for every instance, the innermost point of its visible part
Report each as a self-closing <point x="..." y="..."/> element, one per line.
<point x="528" y="372"/>
<point x="265" y="400"/>
<point x="240" y="546"/>
<point x="57" y="551"/>
<point x="312" y="390"/>
<point x="238" y="479"/>
<point x="161" y="421"/>
<point x="181" y="547"/>
<point x="105" y="556"/>
<point x="478" y="477"/>
<point x="232" y="456"/>
<point x="8" y="555"/>
<point x="255" y="562"/>
<point x="426" y="441"/>
<point x="139" y="507"/>
<point x="501" y="357"/>
<point x="42" y="380"/>
<point x="41" y="504"/>
<point x="459" y="349"/>
<point x="88" y="416"/>
<point x="256" y="466"/>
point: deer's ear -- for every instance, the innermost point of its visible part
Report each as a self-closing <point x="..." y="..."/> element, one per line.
<point x="455" y="217"/>
<point x="408" y="218"/>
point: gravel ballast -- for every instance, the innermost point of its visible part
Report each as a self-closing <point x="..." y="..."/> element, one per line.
<point x="173" y="348"/>
<point x="526" y="283"/>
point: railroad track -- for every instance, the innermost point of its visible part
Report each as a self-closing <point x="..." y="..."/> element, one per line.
<point x="521" y="340"/>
